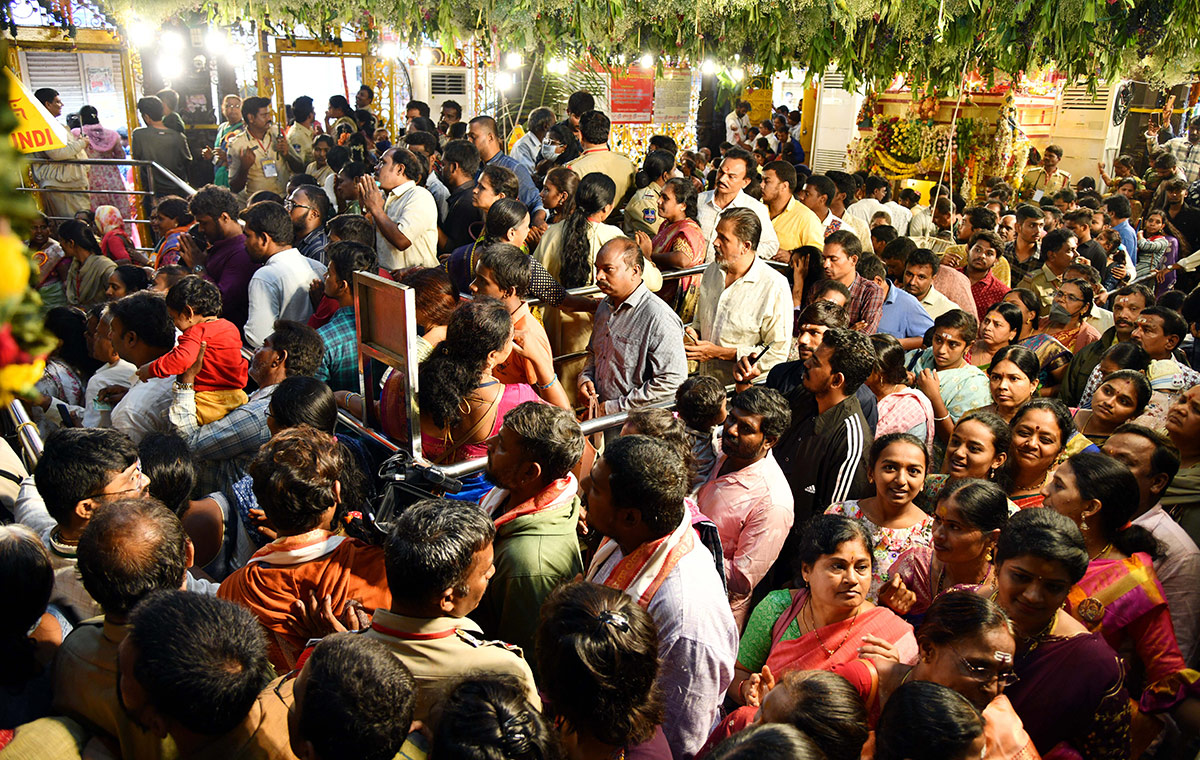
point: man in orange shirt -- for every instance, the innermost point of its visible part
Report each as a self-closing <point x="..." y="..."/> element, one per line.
<point x="503" y="273"/>
<point x="297" y="483"/>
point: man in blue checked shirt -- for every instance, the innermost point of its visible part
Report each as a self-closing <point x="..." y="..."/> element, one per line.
<point x="339" y="365"/>
<point x="483" y="133"/>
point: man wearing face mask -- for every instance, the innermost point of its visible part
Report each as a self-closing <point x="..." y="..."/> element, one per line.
<point x="1058" y="251"/>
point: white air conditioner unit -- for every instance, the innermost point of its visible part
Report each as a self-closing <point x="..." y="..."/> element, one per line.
<point x="434" y="84"/>
<point x="835" y="124"/>
<point x="1085" y="130"/>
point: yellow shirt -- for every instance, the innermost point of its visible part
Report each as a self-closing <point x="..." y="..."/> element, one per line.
<point x="797" y="226"/>
<point x="618" y="168"/>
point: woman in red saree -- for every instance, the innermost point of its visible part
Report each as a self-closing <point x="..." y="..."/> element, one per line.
<point x="826" y="622"/>
<point x="1119" y="596"/>
<point x="966" y="645"/>
<point x="1071" y="693"/>
<point x="679" y="244"/>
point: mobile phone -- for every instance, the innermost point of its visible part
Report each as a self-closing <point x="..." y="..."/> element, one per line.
<point x="754" y="357"/>
<point x="688" y="339"/>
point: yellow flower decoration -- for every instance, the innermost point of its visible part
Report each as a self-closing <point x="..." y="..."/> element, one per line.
<point x="19" y="379"/>
<point x="14" y="267"/>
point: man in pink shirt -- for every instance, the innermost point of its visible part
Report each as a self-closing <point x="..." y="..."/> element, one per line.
<point x="747" y="495"/>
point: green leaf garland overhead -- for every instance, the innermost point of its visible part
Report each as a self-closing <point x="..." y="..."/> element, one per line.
<point x="870" y="41"/>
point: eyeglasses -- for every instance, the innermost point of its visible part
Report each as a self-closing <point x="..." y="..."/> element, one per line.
<point x="1068" y="296"/>
<point x="279" y="689"/>
<point x="290" y="204"/>
<point x="985" y="676"/>
<point x="139" y="477"/>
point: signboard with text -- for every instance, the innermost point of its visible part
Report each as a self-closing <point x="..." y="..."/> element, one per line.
<point x="673" y="97"/>
<point x="631" y="96"/>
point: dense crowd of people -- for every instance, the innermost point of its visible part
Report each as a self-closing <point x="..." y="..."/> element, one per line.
<point x="927" y="484"/>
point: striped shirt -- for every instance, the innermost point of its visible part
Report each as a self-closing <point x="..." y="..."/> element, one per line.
<point x="635" y="354"/>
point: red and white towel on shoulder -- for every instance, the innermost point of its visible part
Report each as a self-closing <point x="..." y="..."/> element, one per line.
<point x="642" y="573"/>
<point x="558" y="493"/>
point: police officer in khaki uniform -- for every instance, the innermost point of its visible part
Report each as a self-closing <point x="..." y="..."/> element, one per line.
<point x="427" y="626"/>
<point x="641" y="213"/>
<point x="1046" y="179"/>
<point x="259" y="156"/>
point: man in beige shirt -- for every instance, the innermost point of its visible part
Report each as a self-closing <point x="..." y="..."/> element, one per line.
<point x="745" y="306"/>
<point x="124" y="554"/>
<point x="301" y="134"/>
<point x="439" y="561"/>
<point x="594" y="129"/>
<point x="919" y="271"/>
<point x="195" y="668"/>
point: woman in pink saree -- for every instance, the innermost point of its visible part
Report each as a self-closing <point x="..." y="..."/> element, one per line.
<point x="824" y="623"/>
<point x="105" y="180"/>
<point x="1119" y="596"/>
<point x="679" y="244"/>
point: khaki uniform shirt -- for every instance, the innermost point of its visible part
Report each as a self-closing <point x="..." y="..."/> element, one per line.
<point x="269" y="171"/>
<point x="1043" y="282"/>
<point x="300" y="138"/>
<point x="438" y="650"/>
<point x="618" y="168"/>
<point x="263" y="735"/>
<point x="641" y="213"/>
<point x="1035" y="179"/>
<point x="85" y="689"/>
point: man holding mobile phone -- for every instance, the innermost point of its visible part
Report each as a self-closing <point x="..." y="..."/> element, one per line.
<point x="744" y="304"/>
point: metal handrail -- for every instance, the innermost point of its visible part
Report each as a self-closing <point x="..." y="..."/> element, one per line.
<point x="27" y="432"/>
<point x="174" y="178"/>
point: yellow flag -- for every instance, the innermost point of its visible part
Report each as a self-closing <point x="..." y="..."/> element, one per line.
<point x="36" y="128"/>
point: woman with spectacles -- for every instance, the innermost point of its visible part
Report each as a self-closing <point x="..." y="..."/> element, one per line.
<point x="1120" y="596"/>
<point x="1071" y="686"/>
<point x="967" y="645"/>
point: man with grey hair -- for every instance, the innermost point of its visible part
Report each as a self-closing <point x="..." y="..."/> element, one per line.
<point x="745" y="307"/>
<point x="535" y="507"/>
<point x="528" y="150"/>
<point x="635" y="354"/>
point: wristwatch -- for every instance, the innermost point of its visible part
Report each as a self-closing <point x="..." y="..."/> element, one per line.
<point x="183" y="386"/>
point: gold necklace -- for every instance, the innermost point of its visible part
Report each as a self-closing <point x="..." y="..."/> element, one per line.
<point x="1101" y="553"/>
<point x="820" y="641"/>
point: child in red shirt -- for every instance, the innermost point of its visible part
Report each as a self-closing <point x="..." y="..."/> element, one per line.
<point x="194" y="305"/>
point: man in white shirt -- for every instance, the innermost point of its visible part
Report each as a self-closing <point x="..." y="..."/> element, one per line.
<point x="819" y="190"/>
<point x="745" y="306"/>
<point x="1155" y="462"/>
<point x="919" y="270"/>
<point x="876" y="190"/>
<point x="406" y="219"/>
<point x="737" y="125"/>
<point x="279" y="289"/>
<point x="528" y="150"/>
<point x="733" y="176"/>
<point x="141" y="331"/>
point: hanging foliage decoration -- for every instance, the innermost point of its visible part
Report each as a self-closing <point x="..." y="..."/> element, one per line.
<point x="870" y="41"/>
